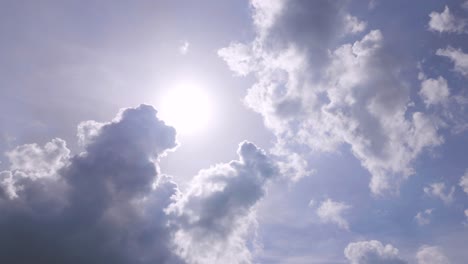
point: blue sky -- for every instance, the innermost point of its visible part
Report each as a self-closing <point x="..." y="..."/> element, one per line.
<point x="286" y="131"/>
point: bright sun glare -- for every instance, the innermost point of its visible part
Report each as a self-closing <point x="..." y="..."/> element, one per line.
<point x="187" y="106"/>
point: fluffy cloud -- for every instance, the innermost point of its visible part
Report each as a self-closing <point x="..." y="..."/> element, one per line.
<point x="438" y="190"/>
<point x="464" y="182"/>
<point x="332" y="212"/>
<point x="372" y="252"/>
<point x="102" y="206"/>
<point x="310" y="94"/>
<point x="458" y="57"/>
<point x="111" y="204"/>
<point x="217" y="212"/>
<point x="423" y="218"/>
<point x="434" y="91"/>
<point x="445" y="21"/>
<point x="431" y="255"/>
<point x="35" y="162"/>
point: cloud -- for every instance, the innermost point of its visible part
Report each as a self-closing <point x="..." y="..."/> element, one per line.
<point x="464" y="182"/>
<point x="423" y="218"/>
<point x="447" y="22"/>
<point x="314" y="91"/>
<point x="372" y="252"/>
<point x="354" y="25"/>
<point x="35" y="162"/>
<point x="431" y="255"/>
<point x="110" y="203"/>
<point x="102" y="206"/>
<point x="332" y="212"/>
<point x="238" y="58"/>
<point x="217" y="212"/>
<point x="458" y="58"/>
<point x="434" y="91"/>
<point x="438" y="190"/>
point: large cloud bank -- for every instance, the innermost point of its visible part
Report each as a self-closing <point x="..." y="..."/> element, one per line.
<point x="323" y="80"/>
<point x="110" y="203"/>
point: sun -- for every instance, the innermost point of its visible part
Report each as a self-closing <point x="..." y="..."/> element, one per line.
<point x="187" y="106"/>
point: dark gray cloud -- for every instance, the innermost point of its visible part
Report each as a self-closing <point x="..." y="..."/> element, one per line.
<point x="110" y="204"/>
<point x="105" y="206"/>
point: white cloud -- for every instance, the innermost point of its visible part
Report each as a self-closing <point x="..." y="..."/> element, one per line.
<point x="423" y="218"/>
<point x="438" y="190"/>
<point x="217" y="211"/>
<point x="447" y="22"/>
<point x="314" y="96"/>
<point x="431" y="255"/>
<point x="111" y="204"/>
<point x="434" y="91"/>
<point x="372" y="252"/>
<point x="34" y="161"/>
<point x="464" y="182"/>
<point x="332" y="212"/>
<point x="458" y="57"/>
<point x="354" y="25"/>
<point x="237" y="57"/>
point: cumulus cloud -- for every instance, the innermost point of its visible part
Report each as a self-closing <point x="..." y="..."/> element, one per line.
<point x="354" y="25"/>
<point x="439" y="190"/>
<point x="34" y="161"/>
<point x="110" y="203"/>
<point x="217" y="212"/>
<point x="372" y="252"/>
<point x="434" y="91"/>
<point x="445" y="21"/>
<point x="464" y="182"/>
<point x="332" y="212"/>
<point x="102" y="206"/>
<point x="431" y="255"/>
<point x="310" y="94"/>
<point x="238" y="58"/>
<point x="423" y="218"/>
<point x="458" y="58"/>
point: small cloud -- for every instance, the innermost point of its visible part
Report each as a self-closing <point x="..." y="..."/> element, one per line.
<point x="458" y="58"/>
<point x="434" y="91"/>
<point x="445" y="21"/>
<point x="372" y="252"/>
<point x="423" y="218"/>
<point x="438" y="190"/>
<point x="312" y="203"/>
<point x="464" y="182"/>
<point x="332" y="212"/>
<point x="184" y="48"/>
<point x="353" y="25"/>
<point x="466" y="215"/>
<point x="431" y="255"/>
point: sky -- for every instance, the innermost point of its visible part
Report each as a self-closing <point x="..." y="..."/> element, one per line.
<point x="238" y="132"/>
